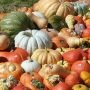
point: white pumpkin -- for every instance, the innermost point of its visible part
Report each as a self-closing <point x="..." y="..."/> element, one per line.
<point x="30" y="40"/>
<point x="30" y="66"/>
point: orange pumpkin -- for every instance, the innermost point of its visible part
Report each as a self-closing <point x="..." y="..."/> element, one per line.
<point x="52" y="81"/>
<point x="59" y="42"/>
<point x="10" y="68"/>
<point x="32" y="81"/>
<point x="18" y="55"/>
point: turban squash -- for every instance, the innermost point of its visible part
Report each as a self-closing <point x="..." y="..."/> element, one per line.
<point x="31" y="40"/>
<point x="54" y="7"/>
<point x="9" y="68"/>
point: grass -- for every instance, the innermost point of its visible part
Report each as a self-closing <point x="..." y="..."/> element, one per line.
<point x="10" y="5"/>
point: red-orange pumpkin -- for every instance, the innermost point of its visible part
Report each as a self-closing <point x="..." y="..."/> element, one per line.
<point x="18" y="55"/>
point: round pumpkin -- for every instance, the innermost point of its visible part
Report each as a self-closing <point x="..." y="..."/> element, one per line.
<point x="30" y="66"/>
<point x="10" y="68"/>
<point x="30" y="40"/>
<point x="54" y="7"/>
<point x="46" y="56"/>
<point x="14" y="22"/>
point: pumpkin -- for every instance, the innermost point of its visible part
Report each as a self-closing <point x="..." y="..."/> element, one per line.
<point x="51" y="81"/>
<point x="80" y="65"/>
<point x="61" y="86"/>
<point x="30" y="66"/>
<point x="32" y="81"/>
<point x="10" y="68"/>
<point x="80" y="8"/>
<point x="14" y="22"/>
<point x="86" y="33"/>
<point x="72" y="79"/>
<point x="57" y="22"/>
<point x="73" y="55"/>
<point x="18" y="55"/>
<point x="52" y="69"/>
<point x="55" y="7"/>
<point x="30" y="40"/>
<point x="59" y="42"/>
<point x="85" y="76"/>
<point x="46" y="56"/>
<point x="4" y="41"/>
<point x="20" y="87"/>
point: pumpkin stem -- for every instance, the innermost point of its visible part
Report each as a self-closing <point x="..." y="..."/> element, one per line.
<point x="37" y="84"/>
<point x="46" y="50"/>
<point x="28" y="34"/>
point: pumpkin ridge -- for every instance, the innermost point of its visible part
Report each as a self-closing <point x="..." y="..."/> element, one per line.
<point x="56" y="6"/>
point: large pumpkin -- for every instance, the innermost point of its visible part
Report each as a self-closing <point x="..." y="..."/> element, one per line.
<point x="14" y="22"/>
<point x="54" y="7"/>
<point x="46" y="56"/>
<point x="9" y="68"/>
<point x="31" y="40"/>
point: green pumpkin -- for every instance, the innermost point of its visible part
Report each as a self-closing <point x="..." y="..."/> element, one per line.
<point x="80" y="8"/>
<point x="14" y="22"/>
<point x="57" y="22"/>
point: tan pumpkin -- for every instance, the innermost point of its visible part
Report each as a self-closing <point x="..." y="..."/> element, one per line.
<point x="9" y="68"/>
<point x="4" y="41"/>
<point x="46" y="56"/>
<point x="51" y="69"/>
<point x="54" y="7"/>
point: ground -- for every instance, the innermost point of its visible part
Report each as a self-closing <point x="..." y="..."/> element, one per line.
<point x="10" y="5"/>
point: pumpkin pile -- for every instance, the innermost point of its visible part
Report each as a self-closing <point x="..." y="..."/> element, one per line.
<point x="46" y="46"/>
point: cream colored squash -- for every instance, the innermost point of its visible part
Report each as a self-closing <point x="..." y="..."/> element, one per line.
<point x="30" y="40"/>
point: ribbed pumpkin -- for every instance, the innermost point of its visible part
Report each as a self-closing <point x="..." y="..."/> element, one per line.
<point x="46" y="56"/>
<point x="14" y="22"/>
<point x="31" y="40"/>
<point x="54" y="7"/>
<point x="80" y="8"/>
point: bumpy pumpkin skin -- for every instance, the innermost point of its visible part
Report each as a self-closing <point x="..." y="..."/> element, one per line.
<point x="30" y="40"/>
<point x="54" y="7"/>
<point x="9" y="68"/>
<point x="52" y="69"/>
<point x="46" y="56"/>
